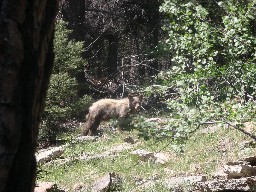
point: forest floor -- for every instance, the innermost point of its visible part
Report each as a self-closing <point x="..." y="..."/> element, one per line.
<point x="145" y="163"/>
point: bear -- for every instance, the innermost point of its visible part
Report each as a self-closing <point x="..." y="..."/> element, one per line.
<point x="106" y="109"/>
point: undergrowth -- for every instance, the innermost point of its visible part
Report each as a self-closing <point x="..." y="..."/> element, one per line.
<point x="203" y="152"/>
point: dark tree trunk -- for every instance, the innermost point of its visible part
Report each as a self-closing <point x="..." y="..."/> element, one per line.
<point x="112" y="55"/>
<point x="26" y="58"/>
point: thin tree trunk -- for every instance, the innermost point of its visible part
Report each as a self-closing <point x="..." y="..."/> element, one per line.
<point x="26" y="58"/>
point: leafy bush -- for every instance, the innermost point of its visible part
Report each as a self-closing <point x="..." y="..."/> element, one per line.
<point x="213" y="71"/>
<point x="62" y="102"/>
<point x="212" y="56"/>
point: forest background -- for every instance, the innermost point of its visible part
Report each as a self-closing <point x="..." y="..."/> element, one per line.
<point x="194" y="62"/>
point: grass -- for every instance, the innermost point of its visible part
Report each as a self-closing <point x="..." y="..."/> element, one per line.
<point x="203" y="153"/>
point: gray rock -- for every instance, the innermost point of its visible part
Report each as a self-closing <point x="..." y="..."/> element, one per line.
<point x="45" y="187"/>
<point x="251" y="160"/>
<point x="243" y="184"/>
<point x="238" y="171"/>
<point x="110" y="181"/>
<point x="102" y="184"/>
<point x="48" y="154"/>
<point x="162" y="157"/>
<point x="242" y="168"/>
<point x="190" y="180"/>
<point x="247" y="144"/>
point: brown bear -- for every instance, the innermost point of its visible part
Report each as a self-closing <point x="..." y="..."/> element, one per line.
<point x="105" y="109"/>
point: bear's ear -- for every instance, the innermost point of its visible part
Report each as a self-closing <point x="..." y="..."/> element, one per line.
<point x="140" y="97"/>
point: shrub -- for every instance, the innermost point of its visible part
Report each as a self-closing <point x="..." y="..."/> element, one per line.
<point x="213" y="71"/>
<point x="62" y="102"/>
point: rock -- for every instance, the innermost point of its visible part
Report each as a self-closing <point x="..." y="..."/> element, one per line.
<point x="243" y="184"/>
<point x="143" y="154"/>
<point x="162" y="157"/>
<point x="48" y="154"/>
<point x="247" y="144"/>
<point x="219" y="174"/>
<point x="238" y="171"/>
<point x="242" y="168"/>
<point x="145" y="184"/>
<point x="102" y="184"/>
<point x="177" y="181"/>
<point x="239" y="162"/>
<point x="251" y="160"/>
<point x="106" y="183"/>
<point x="45" y="187"/>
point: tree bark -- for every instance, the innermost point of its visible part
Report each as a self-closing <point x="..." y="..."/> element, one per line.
<point x="26" y="58"/>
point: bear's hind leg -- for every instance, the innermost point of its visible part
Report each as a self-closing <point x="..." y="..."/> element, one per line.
<point x="94" y="127"/>
<point x="91" y="125"/>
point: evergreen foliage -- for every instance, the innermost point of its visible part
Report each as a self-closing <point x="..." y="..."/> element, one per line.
<point x="62" y="102"/>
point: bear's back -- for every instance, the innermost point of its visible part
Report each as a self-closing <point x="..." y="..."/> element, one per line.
<point x="109" y="103"/>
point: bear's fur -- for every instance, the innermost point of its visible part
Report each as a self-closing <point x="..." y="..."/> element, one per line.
<point x="106" y="109"/>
